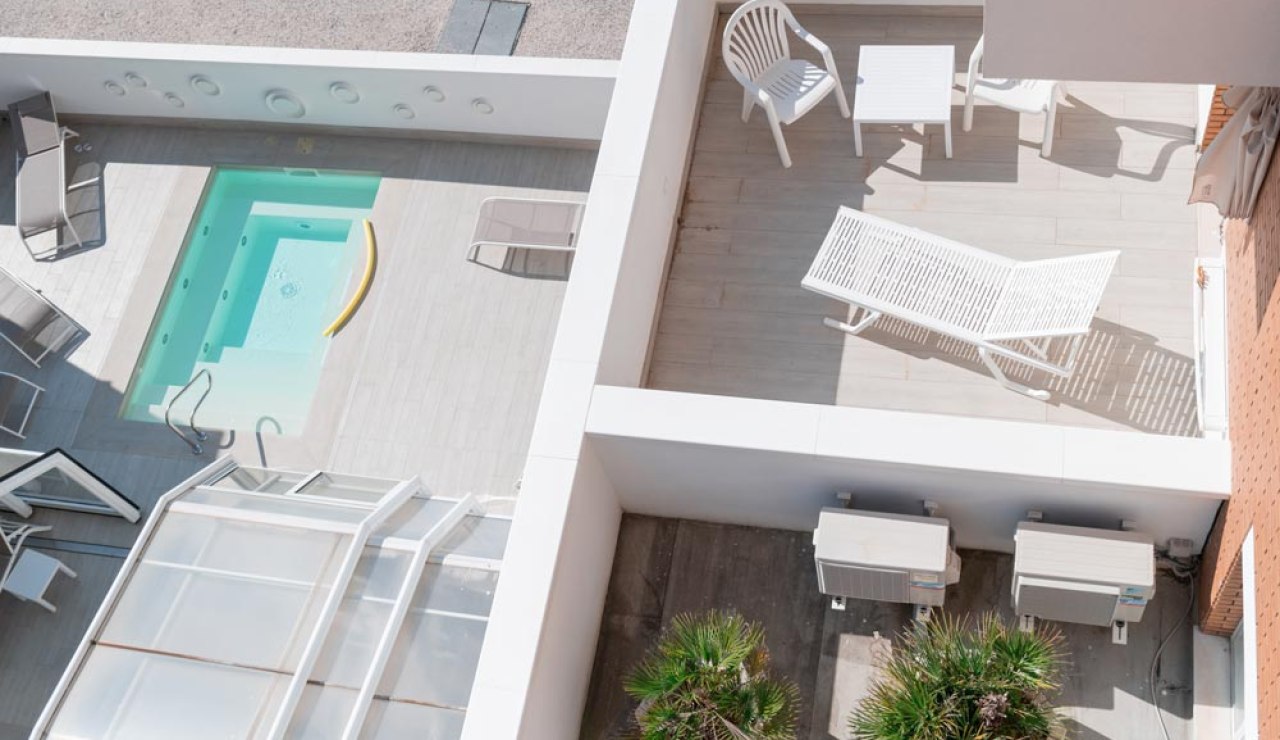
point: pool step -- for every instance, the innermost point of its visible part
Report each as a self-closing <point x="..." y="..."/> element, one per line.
<point x="304" y="211"/>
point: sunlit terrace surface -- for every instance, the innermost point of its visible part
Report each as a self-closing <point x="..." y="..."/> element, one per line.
<point x="735" y="321"/>
<point x="437" y="375"/>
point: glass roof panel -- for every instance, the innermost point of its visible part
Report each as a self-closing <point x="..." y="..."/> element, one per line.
<point x="452" y="589"/>
<point x="477" y="537"/>
<point x="348" y="487"/>
<point x="434" y="660"/>
<point x="272" y="504"/>
<point x="289" y="553"/>
<point x="413" y="520"/>
<point x="259" y="479"/>
<point x="128" y="694"/>
<point x="393" y="720"/>
<point x="229" y="619"/>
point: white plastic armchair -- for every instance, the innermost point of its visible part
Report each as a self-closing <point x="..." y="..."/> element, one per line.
<point x="758" y="53"/>
<point x="1023" y="96"/>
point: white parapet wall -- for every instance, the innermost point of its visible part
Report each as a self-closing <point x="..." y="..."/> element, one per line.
<point x="776" y="464"/>
<point x="535" y="666"/>
<point x="503" y="96"/>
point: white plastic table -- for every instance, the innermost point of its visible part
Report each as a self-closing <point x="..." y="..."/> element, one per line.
<point x="903" y="84"/>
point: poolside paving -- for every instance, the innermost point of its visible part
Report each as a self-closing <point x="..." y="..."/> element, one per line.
<point x="665" y="567"/>
<point x="735" y="321"/>
<point x="437" y="375"/>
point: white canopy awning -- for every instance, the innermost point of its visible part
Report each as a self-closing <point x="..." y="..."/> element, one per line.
<point x="262" y="604"/>
<point x="1231" y="171"/>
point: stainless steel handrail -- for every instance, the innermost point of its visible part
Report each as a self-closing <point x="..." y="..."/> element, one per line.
<point x="195" y="446"/>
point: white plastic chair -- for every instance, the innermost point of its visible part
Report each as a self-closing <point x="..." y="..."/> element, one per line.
<point x="758" y="53"/>
<point x="1023" y="96"/>
<point x="999" y="305"/>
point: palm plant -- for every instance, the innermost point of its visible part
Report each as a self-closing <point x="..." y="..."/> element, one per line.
<point x="948" y="681"/>
<point x="708" y="679"/>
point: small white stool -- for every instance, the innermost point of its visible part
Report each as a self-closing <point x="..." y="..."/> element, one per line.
<point x="31" y="577"/>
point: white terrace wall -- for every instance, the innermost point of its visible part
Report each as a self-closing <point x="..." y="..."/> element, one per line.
<point x="521" y="96"/>
<point x="535" y="666"/>
<point x="774" y="464"/>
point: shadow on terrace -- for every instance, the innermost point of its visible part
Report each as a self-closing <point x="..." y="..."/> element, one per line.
<point x="735" y="321"/>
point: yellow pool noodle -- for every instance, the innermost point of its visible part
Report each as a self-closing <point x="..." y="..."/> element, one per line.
<point x="370" y="262"/>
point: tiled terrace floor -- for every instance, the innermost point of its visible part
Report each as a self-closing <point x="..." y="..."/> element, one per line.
<point x="665" y="567"/>
<point x="735" y="320"/>
<point x="438" y="374"/>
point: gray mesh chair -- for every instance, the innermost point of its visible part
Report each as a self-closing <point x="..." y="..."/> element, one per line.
<point x="41" y="189"/>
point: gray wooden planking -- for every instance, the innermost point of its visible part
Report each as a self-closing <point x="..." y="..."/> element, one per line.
<point x="438" y="374"/>
<point x="666" y="567"/>
<point x="734" y="320"/>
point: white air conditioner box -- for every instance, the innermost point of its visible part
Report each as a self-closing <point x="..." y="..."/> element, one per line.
<point x="884" y="557"/>
<point x="1082" y="575"/>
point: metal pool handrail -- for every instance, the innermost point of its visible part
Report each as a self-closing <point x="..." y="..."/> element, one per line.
<point x="370" y="263"/>
<point x="196" y="448"/>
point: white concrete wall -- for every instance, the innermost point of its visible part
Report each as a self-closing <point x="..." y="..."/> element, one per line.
<point x="776" y="464"/>
<point x="558" y="98"/>
<point x="536" y="663"/>
<point x="1192" y="41"/>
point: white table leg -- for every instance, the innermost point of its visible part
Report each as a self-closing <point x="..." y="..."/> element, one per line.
<point x="857" y="139"/>
<point x="946" y="130"/>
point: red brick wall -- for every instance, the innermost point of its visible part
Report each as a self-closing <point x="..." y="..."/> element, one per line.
<point x="1253" y="344"/>
<point x="1218" y="115"/>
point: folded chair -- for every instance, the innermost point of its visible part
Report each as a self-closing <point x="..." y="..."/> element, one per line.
<point x="28" y="573"/>
<point x="31" y="323"/>
<point x="41" y="188"/>
<point x="999" y="305"/>
<point x="527" y="223"/>
<point x="758" y="53"/>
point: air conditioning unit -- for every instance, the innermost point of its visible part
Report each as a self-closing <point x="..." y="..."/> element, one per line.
<point x="1082" y="575"/>
<point x="884" y="557"/>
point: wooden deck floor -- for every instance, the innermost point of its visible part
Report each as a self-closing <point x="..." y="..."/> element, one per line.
<point x="735" y="321"/>
<point x="438" y="374"/>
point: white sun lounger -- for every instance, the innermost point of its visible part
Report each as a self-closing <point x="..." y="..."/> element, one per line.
<point x="999" y="305"/>
<point x="527" y="223"/>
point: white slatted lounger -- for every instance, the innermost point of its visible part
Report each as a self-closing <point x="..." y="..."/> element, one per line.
<point x="999" y="305"/>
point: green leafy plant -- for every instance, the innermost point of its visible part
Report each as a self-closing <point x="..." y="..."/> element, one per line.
<point x="948" y="680"/>
<point x="708" y="679"/>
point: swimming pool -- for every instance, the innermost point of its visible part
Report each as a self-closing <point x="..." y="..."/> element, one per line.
<point x="266" y="266"/>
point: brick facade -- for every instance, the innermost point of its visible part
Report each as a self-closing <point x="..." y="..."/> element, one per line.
<point x="1253" y="343"/>
<point x="1218" y="115"/>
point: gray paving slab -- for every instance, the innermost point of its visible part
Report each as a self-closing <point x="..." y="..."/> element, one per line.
<point x="501" y="28"/>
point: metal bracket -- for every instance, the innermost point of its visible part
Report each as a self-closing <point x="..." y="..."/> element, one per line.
<point x="1120" y="633"/>
<point x="838" y="603"/>
<point x="1026" y="623"/>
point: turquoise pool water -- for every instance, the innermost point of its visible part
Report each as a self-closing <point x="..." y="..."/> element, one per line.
<point x="267" y="265"/>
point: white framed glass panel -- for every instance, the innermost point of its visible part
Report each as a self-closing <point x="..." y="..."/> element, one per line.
<point x="322" y="714"/>
<point x="393" y="720"/>
<point x="260" y="480"/>
<point x="215" y="617"/>
<point x="457" y="590"/>
<point x="287" y="553"/>
<point x="415" y="518"/>
<point x="348" y="487"/>
<point x="434" y="660"/>
<point x="271" y="504"/>
<point x="476" y="537"/>
<point x="121" y="694"/>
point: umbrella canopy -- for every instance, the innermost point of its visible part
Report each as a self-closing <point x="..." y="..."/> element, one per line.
<point x="1230" y="172"/>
